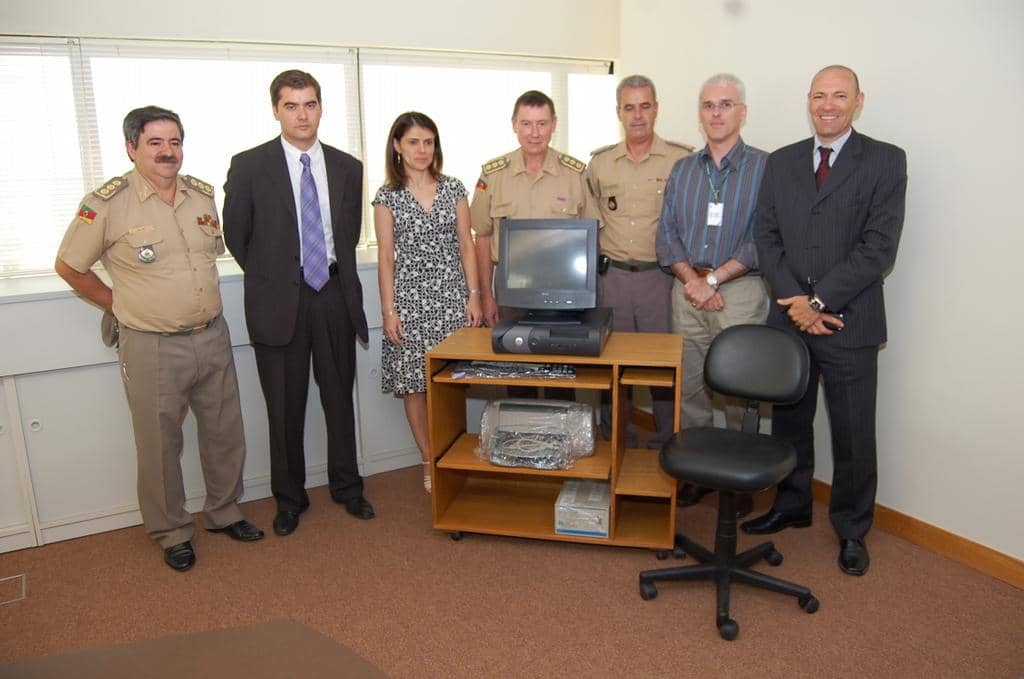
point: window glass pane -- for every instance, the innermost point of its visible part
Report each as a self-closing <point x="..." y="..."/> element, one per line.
<point x="593" y="122"/>
<point x="224" y="107"/>
<point x="41" y="165"/>
<point x="472" y="109"/>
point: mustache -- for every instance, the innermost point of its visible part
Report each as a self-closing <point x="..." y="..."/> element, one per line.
<point x="171" y="160"/>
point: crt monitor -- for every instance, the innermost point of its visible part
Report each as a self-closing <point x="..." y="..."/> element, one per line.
<point x="547" y="267"/>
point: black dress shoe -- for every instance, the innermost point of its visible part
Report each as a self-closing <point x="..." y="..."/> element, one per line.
<point x="359" y="507"/>
<point x="690" y="494"/>
<point x="286" y="522"/>
<point x="240" y="530"/>
<point x="853" y="557"/>
<point x="180" y="557"/>
<point x="774" y="521"/>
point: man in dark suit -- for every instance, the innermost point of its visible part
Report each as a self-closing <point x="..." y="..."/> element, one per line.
<point x="830" y="213"/>
<point x="292" y="218"/>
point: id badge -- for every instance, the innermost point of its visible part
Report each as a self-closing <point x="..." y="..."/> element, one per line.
<point x="715" y="214"/>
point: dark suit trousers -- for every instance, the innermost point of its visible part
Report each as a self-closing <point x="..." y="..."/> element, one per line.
<point x="850" y="378"/>
<point x="323" y="330"/>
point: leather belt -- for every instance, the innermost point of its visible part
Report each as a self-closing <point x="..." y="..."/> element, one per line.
<point x="192" y="331"/>
<point x="634" y="266"/>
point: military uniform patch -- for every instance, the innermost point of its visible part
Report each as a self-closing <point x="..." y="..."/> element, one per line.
<point x="208" y="220"/>
<point x="481" y="185"/>
<point x="572" y="163"/>
<point x="200" y="186"/>
<point x="86" y="214"/>
<point x="499" y="163"/>
<point x="111" y="188"/>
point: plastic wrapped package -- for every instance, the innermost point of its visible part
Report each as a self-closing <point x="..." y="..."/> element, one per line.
<point x="536" y="434"/>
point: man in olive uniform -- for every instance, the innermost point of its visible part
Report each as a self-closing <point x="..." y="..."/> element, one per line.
<point x="158" y="236"/>
<point x="627" y="182"/>
<point x="532" y="182"/>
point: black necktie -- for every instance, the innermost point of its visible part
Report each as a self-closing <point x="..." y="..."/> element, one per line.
<point x="822" y="173"/>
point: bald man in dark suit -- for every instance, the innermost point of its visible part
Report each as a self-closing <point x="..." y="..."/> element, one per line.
<point x="829" y="218"/>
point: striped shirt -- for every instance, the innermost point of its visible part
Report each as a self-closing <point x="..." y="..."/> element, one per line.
<point x="683" y="231"/>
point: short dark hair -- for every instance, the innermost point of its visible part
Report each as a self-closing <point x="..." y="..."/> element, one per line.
<point x="137" y="118"/>
<point x="533" y="98"/>
<point x="295" y="79"/>
<point x="393" y="166"/>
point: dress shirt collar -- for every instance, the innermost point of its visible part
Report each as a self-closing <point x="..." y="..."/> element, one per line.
<point x="836" y="147"/>
<point x="734" y="158"/>
<point x="518" y="162"/>
<point x="292" y="153"/>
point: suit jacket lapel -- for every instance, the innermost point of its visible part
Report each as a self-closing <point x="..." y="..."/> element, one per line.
<point x="277" y="168"/>
<point x="336" y="194"/>
<point x="802" y="172"/>
<point x="846" y="163"/>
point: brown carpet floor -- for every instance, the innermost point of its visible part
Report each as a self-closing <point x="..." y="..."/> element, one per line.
<point x="414" y="603"/>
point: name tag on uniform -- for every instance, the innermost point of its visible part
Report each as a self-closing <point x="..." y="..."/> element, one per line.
<point x="715" y="214"/>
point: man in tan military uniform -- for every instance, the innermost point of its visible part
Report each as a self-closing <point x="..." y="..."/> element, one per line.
<point x="158" y="236"/>
<point x="627" y="182"/>
<point x="532" y="182"/>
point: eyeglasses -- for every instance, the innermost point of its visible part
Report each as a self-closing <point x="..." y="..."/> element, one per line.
<point x="724" y="106"/>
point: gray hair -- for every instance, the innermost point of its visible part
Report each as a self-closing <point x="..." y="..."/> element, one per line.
<point x="634" y="81"/>
<point x="725" y="79"/>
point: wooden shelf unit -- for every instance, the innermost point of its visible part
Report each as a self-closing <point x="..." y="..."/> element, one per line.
<point x="474" y="496"/>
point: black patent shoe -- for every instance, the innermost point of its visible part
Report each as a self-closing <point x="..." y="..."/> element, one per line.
<point x="180" y="557"/>
<point x="240" y="530"/>
<point x="853" y="557"/>
<point x="286" y="522"/>
<point x="774" y="521"/>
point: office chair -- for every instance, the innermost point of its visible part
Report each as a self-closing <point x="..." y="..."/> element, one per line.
<point x="759" y="364"/>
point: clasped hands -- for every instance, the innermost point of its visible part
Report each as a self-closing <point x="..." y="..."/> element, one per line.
<point x="702" y="296"/>
<point x="807" y="319"/>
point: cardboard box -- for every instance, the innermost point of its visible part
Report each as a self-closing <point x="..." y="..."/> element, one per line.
<point x="582" y="508"/>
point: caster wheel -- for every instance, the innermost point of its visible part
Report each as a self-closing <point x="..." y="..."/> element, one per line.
<point x="729" y="629"/>
<point x="774" y="557"/>
<point x="456" y="536"/>
<point x="678" y="553"/>
<point x="808" y="603"/>
<point x="648" y="591"/>
<point x="661" y="554"/>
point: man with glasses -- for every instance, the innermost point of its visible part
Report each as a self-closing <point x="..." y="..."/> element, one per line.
<point x="706" y="236"/>
<point x="627" y="182"/>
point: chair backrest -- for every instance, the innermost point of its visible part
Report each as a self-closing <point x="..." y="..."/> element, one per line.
<point x="758" y="363"/>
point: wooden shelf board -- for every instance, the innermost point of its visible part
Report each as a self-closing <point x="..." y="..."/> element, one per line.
<point x="461" y="456"/>
<point x="587" y="377"/>
<point x="643" y="523"/>
<point x="641" y="474"/>
<point x="651" y="377"/>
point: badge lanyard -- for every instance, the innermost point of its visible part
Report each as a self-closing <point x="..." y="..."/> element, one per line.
<point x="715" y="205"/>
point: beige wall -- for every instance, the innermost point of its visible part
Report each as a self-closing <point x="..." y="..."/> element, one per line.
<point x="580" y="28"/>
<point x="944" y="80"/>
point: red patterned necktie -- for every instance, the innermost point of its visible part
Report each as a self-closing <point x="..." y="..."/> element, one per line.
<point x="822" y="172"/>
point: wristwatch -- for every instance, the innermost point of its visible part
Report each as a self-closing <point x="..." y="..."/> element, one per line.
<point x="817" y="304"/>
<point x="712" y="280"/>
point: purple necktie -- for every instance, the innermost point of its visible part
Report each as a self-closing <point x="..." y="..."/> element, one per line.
<point x="822" y="173"/>
<point x="314" y="247"/>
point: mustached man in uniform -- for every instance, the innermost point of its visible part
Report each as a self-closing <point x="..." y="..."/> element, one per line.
<point x="158" y="236"/>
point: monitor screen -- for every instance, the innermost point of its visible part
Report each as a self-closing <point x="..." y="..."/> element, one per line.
<point x="547" y="264"/>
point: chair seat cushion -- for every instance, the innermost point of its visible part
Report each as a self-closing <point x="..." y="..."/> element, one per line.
<point x="724" y="459"/>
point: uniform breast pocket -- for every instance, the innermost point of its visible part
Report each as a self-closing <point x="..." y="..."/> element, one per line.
<point x="142" y="249"/>
<point x="213" y="239"/>
<point x="564" y="208"/>
<point x="500" y="211"/>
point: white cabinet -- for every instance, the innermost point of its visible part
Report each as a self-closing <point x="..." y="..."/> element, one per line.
<point x="16" y="524"/>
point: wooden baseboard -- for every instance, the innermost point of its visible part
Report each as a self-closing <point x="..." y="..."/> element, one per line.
<point x="979" y="557"/>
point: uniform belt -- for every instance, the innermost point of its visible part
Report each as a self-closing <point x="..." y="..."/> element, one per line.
<point x="192" y="331"/>
<point x="634" y="266"/>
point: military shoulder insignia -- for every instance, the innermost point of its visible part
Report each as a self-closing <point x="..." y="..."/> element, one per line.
<point x="499" y="163"/>
<point x="572" y="163"/>
<point x="689" y="148"/>
<point x="208" y="220"/>
<point x="86" y="214"/>
<point x="603" y="149"/>
<point x="111" y="188"/>
<point x="199" y="185"/>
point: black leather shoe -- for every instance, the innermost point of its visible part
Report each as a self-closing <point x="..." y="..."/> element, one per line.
<point x="690" y="494"/>
<point x="853" y="557"/>
<point x="774" y="521"/>
<point x="240" y="530"/>
<point x="286" y="522"/>
<point x="744" y="504"/>
<point x="359" y="507"/>
<point x="180" y="557"/>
